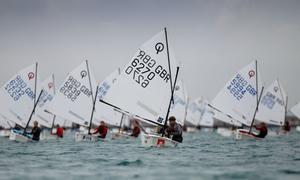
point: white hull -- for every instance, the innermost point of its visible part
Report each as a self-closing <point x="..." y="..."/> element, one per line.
<point x="120" y="135"/>
<point x="4" y="133"/>
<point x="151" y="140"/>
<point x="48" y="137"/>
<point x="225" y="132"/>
<point x="191" y="130"/>
<point x="17" y="136"/>
<point x="242" y="134"/>
<point x="84" y="137"/>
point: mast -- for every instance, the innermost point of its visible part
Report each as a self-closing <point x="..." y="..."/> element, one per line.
<point x="34" y="97"/>
<point x="286" y="108"/>
<point x="284" y="99"/>
<point x="168" y="112"/>
<point x="121" y="122"/>
<point x="35" y="83"/>
<point x="33" y="111"/>
<point x="257" y="97"/>
<point x="169" y="63"/>
<point x="54" y="92"/>
<point x="92" y="115"/>
<point x="93" y="99"/>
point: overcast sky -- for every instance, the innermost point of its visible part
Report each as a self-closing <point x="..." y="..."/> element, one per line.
<point x="212" y="39"/>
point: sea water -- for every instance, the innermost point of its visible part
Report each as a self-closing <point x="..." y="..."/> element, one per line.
<point x="203" y="155"/>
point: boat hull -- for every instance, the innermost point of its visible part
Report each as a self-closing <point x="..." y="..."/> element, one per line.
<point x="242" y="134"/>
<point x="225" y="132"/>
<point x="19" y="136"/>
<point x="84" y="137"/>
<point x="4" y="133"/>
<point x="151" y="140"/>
<point x="120" y="135"/>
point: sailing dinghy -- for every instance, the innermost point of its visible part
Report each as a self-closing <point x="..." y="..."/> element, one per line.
<point x="75" y="100"/>
<point x="145" y="87"/>
<point x="19" y="100"/>
<point x="240" y="98"/>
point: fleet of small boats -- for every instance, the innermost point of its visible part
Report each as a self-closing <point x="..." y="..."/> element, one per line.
<point x="148" y="89"/>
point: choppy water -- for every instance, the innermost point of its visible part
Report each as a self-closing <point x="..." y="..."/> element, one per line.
<point x="201" y="156"/>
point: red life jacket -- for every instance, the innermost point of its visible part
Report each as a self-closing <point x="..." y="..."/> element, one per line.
<point x="102" y="131"/>
<point x="60" y="132"/>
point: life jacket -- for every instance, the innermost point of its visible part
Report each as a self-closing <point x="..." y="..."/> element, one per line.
<point x="136" y="132"/>
<point x="60" y="132"/>
<point x="102" y="131"/>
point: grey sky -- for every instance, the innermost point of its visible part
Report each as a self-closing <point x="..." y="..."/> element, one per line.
<point x="212" y="39"/>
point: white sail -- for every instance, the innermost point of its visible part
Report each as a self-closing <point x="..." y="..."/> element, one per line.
<point x="5" y="122"/>
<point x="178" y="108"/>
<point x="103" y="111"/>
<point x="19" y="94"/>
<point x="74" y="98"/>
<point x="272" y="106"/>
<point x="239" y="97"/>
<point x="225" y="118"/>
<point x="144" y="85"/>
<point x="207" y="119"/>
<point x="296" y="110"/>
<point x="194" y="112"/>
<point x="44" y="118"/>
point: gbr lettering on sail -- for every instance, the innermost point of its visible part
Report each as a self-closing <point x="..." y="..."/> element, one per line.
<point x="143" y="68"/>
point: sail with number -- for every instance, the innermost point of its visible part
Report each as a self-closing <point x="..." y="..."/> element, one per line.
<point x="273" y="105"/>
<point x="19" y="94"/>
<point x="144" y="87"/>
<point x="74" y="98"/>
<point x="239" y="96"/>
<point x="179" y="107"/>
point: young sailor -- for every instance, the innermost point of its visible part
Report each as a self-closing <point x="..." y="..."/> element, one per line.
<point x="263" y="130"/>
<point x="102" y="130"/>
<point x="287" y="127"/>
<point x="59" y="131"/>
<point x="136" y="129"/>
<point x="36" y="131"/>
<point x="174" y="130"/>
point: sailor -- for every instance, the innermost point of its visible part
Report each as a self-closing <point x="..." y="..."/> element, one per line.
<point x="102" y="130"/>
<point x="263" y="130"/>
<point x="136" y="129"/>
<point x="174" y="130"/>
<point x="59" y="131"/>
<point x="286" y="127"/>
<point x="36" y="131"/>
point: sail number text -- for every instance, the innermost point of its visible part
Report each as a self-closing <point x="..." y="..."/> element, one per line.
<point x="239" y="86"/>
<point x="143" y="69"/>
<point x="16" y="88"/>
<point x="72" y="88"/>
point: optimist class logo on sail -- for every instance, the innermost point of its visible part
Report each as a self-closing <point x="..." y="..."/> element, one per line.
<point x="144" y="68"/>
